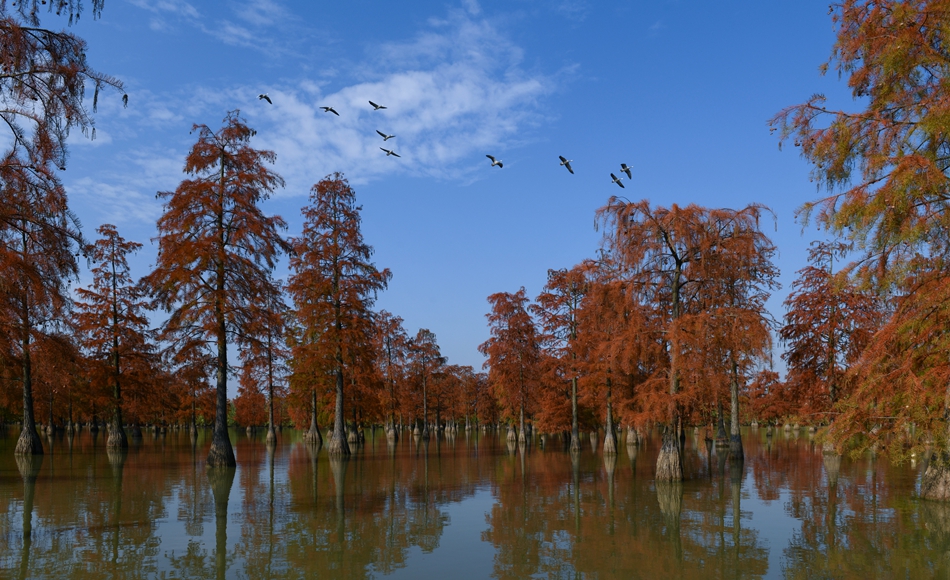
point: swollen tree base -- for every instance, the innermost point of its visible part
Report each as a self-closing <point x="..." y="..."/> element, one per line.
<point x="221" y="453"/>
<point x="271" y="438"/>
<point x="29" y="443"/>
<point x="338" y="445"/>
<point x="935" y="483"/>
<point x="669" y="463"/>
<point x="117" y="438"/>
<point x="735" y="447"/>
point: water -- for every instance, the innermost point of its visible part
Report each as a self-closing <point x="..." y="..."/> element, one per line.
<point x="468" y="507"/>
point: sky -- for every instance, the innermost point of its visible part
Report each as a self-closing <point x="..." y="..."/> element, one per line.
<point x="680" y="91"/>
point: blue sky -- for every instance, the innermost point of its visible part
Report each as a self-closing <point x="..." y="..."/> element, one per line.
<point x="680" y="91"/>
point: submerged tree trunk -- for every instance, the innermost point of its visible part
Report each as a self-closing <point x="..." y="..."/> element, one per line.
<point x="575" y="435"/>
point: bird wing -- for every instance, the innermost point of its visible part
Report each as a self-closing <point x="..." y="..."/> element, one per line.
<point x="568" y="165"/>
<point x="381" y="134"/>
<point x="500" y="164"/>
<point x="490" y="157"/>
<point x="386" y="150"/>
<point x="332" y="110"/>
<point x="375" y="106"/>
<point x="563" y="160"/>
<point x="394" y="154"/>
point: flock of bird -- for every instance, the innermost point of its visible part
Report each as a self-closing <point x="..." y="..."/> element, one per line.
<point x="494" y="161"/>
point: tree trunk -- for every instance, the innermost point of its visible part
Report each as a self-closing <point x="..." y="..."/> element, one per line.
<point x="521" y="434"/>
<point x="935" y="483"/>
<point x="338" y="446"/>
<point x="313" y="435"/>
<point x="221" y="453"/>
<point x="117" y="438"/>
<point x="610" y="438"/>
<point x="735" y="440"/>
<point x="669" y="464"/>
<point x="575" y="434"/>
<point x="29" y="442"/>
<point x="271" y="438"/>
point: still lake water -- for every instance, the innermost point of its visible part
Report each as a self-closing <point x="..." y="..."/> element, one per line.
<point x="468" y="507"/>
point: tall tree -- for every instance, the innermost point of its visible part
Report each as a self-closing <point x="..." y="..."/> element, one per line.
<point x="557" y="311"/>
<point x="264" y="351"/>
<point x="885" y="167"/>
<point x="111" y="318"/>
<point x="392" y="344"/>
<point x="333" y="287"/>
<point x="513" y="352"/>
<point x="425" y="361"/>
<point x="39" y="237"/>
<point x="217" y="250"/>
<point x="828" y="324"/>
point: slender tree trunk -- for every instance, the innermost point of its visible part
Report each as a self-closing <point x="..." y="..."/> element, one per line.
<point x="271" y="438"/>
<point x="610" y="439"/>
<point x="521" y="433"/>
<point x="575" y="435"/>
<point x="425" y="405"/>
<point x="29" y="442"/>
<point x="669" y="465"/>
<point x="221" y="453"/>
<point x="735" y="441"/>
<point x="117" y="438"/>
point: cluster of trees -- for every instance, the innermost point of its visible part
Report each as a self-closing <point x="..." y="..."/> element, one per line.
<point x="310" y="348"/>
<point x="666" y="326"/>
<point x="865" y="344"/>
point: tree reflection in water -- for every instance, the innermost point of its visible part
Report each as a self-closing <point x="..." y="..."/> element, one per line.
<point x="787" y="510"/>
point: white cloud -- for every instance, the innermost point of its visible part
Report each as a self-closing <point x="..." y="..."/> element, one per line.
<point x="454" y="92"/>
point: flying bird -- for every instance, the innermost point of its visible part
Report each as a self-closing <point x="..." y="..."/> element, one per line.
<point x="384" y="136"/>
<point x="566" y="163"/>
<point x="626" y="169"/>
<point x="495" y="162"/>
<point x="376" y="107"/>
<point x="330" y="110"/>
<point x="616" y="179"/>
<point x="388" y="153"/>
<point x="264" y="97"/>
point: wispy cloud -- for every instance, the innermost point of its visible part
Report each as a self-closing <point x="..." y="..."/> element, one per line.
<point x="454" y="91"/>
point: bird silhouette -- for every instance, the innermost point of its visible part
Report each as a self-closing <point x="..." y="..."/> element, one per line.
<point x="566" y="163"/>
<point x="376" y="107"/>
<point x="388" y="153"/>
<point x="616" y="179"/>
<point x="626" y="169"/>
<point x="384" y="136"/>
<point x="330" y="110"/>
<point x="495" y="162"/>
<point x="264" y="97"/>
